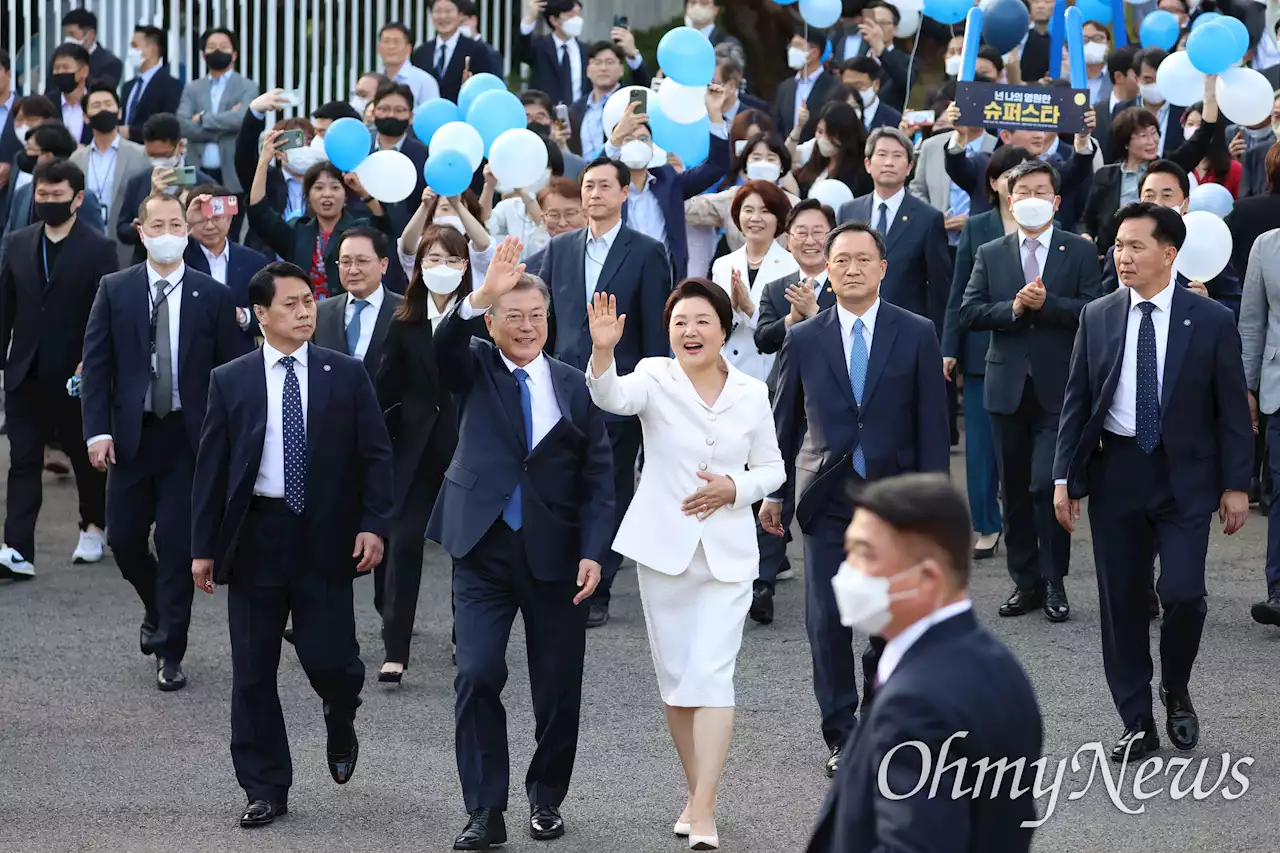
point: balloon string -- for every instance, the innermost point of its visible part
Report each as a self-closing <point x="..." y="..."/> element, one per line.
<point x="912" y="59"/>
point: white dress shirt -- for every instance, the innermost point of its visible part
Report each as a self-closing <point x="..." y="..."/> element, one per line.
<point x="1122" y="417"/>
<point x="434" y="314"/>
<point x="896" y="649"/>
<point x="100" y="171"/>
<point x="270" y="481"/>
<point x="644" y="213"/>
<point x="852" y="45"/>
<point x="73" y="118"/>
<point x="847" y="319"/>
<point x="448" y="45"/>
<point x="1044" y="238"/>
<point x="893" y="203"/>
<point x="174" y="301"/>
<point x="218" y="263"/>
<point x="368" y="319"/>
<point x="423" y="86"/>
<point x="869" y="113"/>
<point x="597" y="251"/>
<point x="804" y="87"/>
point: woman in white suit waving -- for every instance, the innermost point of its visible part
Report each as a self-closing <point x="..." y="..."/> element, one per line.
<point x="710" y="452"/>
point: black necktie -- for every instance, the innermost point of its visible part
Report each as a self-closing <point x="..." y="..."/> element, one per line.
<point x="1147" y="402"/>
<point x="566" y="71"/>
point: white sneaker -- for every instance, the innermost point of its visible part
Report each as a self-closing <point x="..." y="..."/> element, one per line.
<point x="13" y="566"/>
<point x="89" y="548"/>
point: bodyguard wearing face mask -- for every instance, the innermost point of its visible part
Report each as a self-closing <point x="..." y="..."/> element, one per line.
<point x="152" y="89"/>
<point x="1027" y="289"/>
<point x="558" y="61"/>
<point x="143" y="408"/>
<point x="800" y="98"/>
<point x="941" y="676"/>
<point x="864" y="76"/>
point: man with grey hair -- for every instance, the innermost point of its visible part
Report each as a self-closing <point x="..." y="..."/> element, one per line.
<point x="919" y="274"/>
<point x="730" y="68"/>
<point x="526" y="512"/>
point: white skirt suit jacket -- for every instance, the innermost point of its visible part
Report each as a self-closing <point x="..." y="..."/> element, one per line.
<point x="682" y="436"/>
<point x="740" y="350"/>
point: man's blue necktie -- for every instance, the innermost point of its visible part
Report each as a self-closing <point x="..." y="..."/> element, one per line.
<point x="295" y="440"/>
<point x="882" y="221"/>
<point x="353" y="328"/>
<point x="1147" y="402"/>
<point x="858" y="379"/>
<point x="512" y="514"/>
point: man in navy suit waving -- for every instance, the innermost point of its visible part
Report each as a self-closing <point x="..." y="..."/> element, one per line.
<point x="860" y="396"/>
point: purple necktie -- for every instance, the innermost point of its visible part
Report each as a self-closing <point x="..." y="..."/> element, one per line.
<point x="1030" y="267"/>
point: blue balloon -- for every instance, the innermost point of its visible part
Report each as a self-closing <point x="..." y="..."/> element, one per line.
<point x="826" y="53"/>
<point x="690" y="142"/>
<point x="432" y="116"/>
<point x="1095" y="10"/>
<point x="1240" y="31"/>
<point x="947" y="11"/>
<point x="475" y="87"/>
<point x="820" y="13"/>
<point x="1204" y="18"/>
<point x="1004" y="24"/>
<point x="1214" y="198"/>
<point x="347" y="142"/>
<point x="448" y="172"/>
<point x="1159" y="29"/>
<point x="1212" y="48"/>
<point x="686" y="56"/>
<point x="493" y="113"/>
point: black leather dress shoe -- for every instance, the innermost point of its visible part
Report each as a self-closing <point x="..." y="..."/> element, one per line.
<point x="261" y="813"/>
<point x="342" y="751"/>
<point x="1022" y="602"/>
<point x="287" y="634"/>
<point x="169" y="676"/>
<point x="1138" y="741"/>
<point x="147" y="634"/>
<point x="545" y="823"/>
<point x="1181" y="723"/>
<point x="1056" y="607"/>
<point x="597" y="615"/>
<point x="485" y="828"/>
<point x="1153" y="604"/>
<point x="762" y="606"/>
<point x="833" y="763"/>
<point x="1267" y="612"/>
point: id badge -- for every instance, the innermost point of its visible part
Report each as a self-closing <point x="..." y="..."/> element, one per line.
<point x="155" y="370"/>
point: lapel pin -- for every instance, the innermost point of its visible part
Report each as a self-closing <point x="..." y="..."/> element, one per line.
<point x="1186" y="322"/>
<point x="195" y="293"/>
<point x="326" y="368"/>
<point x="1062" y="248"/>
<point x="904" y="217"/>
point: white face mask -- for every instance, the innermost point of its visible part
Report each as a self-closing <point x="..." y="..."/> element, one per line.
<point x="1151" y="94"/>
<point x="358" y="104"/>
<point x="739" y="147"/>
<point x="134" y="57"/>
<point x="953" y="65"/>
<point x="1189" y="130"/>
<point x="863" y="600"/>
<point x="573" y="26"/>
<point x="166" y="248"/>
<point x="699" y="16"/>
<point x="21" y="131"/>
<point x="167" y="162"/>
<point x="1032" y="212"/>
<point x="70" y="40"/>
<point x="826" y="147"/>
<point x="764" y="170"/>
<point x="796" y="58"/>
<point x="636" y="154"/>
<point x="466" y="31"/>
<point x="302" y="159"/>
<point x="452" y="222"/>
<point x="441" y="280"/>
<point x="1094" y="53"/>
<point x="868" y="96"/>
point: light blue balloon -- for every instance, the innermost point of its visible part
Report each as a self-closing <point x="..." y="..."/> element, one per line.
<point x="820" y="13"/>
<point x="1239" y="30"/>
<point x="690" y="142"/>
<point x="947" y="11"/>
<point x="347" y="142"/>
<point x="1159" y="29"/>
<point x="448" y="172"/>
<point x="1095" y="10"/>
<point x="474" y="88"/>
<point x="1205" y="18"/>
<point x="686" y="56"/>
<point x="493" y="113"/>
<point x="1215" y="198"/>
<point x="1212" y="48"/>
<point x="432" y="116"/>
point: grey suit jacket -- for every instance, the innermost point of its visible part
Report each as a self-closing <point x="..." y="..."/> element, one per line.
<point x="221" y="127"/>
<point x="1260" y="321"/>
<point x="931" y="183"/>
<point x="331" y="327"/>
<point x="131" y="159"/>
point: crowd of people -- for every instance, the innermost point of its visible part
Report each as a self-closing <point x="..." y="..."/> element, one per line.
<point x="285" y="383"/>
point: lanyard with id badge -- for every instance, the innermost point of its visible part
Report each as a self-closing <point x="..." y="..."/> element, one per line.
<point x="155" y="310"/>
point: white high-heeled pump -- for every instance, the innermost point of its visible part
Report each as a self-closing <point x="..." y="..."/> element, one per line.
<point x="682" y="828"/>
<point x="704" y="842"/>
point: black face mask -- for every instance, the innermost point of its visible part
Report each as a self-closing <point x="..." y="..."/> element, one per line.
<point x="65" y="83"/>
<point x="391" y="126"/>
<point x="53" y="213"/>
<point x="104" y="122"/>
<point x="26" y="162"/>
<point x="219" y="60"/>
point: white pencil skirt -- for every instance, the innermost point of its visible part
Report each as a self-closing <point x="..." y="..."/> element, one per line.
<point x="695" y="630"/>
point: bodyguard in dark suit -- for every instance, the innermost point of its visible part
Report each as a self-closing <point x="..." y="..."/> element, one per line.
<point x="526" y="512"/>
<point x="860" y="397"/>
<point x="919" y="272"/>
<point x="945" y="684"/>
<point x="450" y="53"/>
<point x="1158" y="437"/>
<point x="80" y="26"/>
<point x="48" y="279"/>
<point x="155" y="332"/>
<point x="557" y="60"/>
<point x="294" y="467"/>
<point x="355" y="323"/>
<point x="154" y="89"/>
<point x="1027" y="289"/>
<point x="212" y="252"/>
<point x="608" y="257"/>
<point x="868" y="80"/>
<point x="811" y="85"/>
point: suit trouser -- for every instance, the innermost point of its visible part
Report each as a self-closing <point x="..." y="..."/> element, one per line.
<point x="1039" y="548"/>
<point x="773" y="549"/>
<point x="1135" y="515"/>
<point x="1272" y="433"/>
<point x="154" y="487"/>
<point x="982" y="474"/>
<point x="404" y="567"/>
<point x="489" y="585"/>
<point x="275" y="576"/>
<point x="624" y="439"/>
<point x="35" y="412"/>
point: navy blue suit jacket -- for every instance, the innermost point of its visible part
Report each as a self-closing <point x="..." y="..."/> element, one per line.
<point x="117" y="353"/>
<point x="348" y="488"/>
<point x="242" y="263"/>
<point x="902" y="423"/>
<point x="136" y="188"/>
<point x="162" y="95"/>
<point x="1204" y="408"/>
<point x="919" y="274"/>
<point x="1225" y="287"/>
<point x="886" y="116"/>
<point x="968" y="347"/>
<point x="955" y="678"/>
<point x="566" y="480"/>
<point x="425" y="58"/>
<point x="969" y="172"/>
<point x="539" y="51"/>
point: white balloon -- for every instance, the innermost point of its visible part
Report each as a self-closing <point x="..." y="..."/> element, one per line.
<point x="1244" y="96"/>
<point x="1179" y="81"/>
<point x="1207" y="249"/>
<point x="832" y="193"/>
<point x="388" y="176"/>
<point x="903" y="5"/>
<point x="518" y="158"/>
<point x="659" y="158"/>
<point x="910" y="21"/>
<point x="459" y="136"/>
<point x="1214" y="198"/>
<point x="617" y="105"/>
<point x="682" y="104"/>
